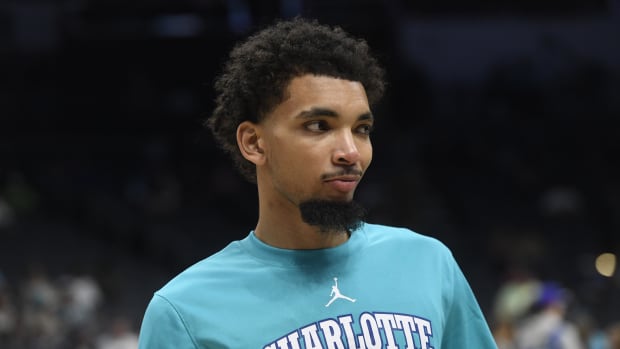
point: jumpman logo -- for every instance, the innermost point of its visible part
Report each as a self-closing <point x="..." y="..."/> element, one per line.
<point x="337" y="295"/>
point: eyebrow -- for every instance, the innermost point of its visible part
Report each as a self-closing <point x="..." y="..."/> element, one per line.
<point x="317" y="111"/>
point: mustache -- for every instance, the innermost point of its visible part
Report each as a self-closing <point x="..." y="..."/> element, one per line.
<point x="345" y="172"/>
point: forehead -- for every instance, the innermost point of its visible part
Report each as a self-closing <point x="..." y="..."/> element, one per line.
<point x="308" y="91"/>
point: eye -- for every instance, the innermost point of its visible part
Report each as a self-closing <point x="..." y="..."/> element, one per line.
<point x="316" y="126"/>
<point x="365" y="129"/>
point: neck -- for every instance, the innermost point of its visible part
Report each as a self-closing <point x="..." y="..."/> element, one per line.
<point x="280" y="222"/>
<point x="280" y="225"/>
<point x="296" y="235"/>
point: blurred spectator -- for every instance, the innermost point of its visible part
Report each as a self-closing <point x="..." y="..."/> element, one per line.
<point x="591" y="333"/>
<point x="613" y="335"/>
<point x="8" y="315"/>
<point x="547" y="327"/>
<point x="503" y="333"/>
<point x="119" y="336"/>
<point x="514" y="298"/>
<point x="82" y="297"/>
<point x="41" y="300"/>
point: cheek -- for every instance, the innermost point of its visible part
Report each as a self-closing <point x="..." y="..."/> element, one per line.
<point x="290" y="163"/>
<point x="366" y="154"/>
<point x="295" y="174"/>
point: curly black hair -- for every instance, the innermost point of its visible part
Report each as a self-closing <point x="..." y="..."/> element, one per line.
<point x="259" y="70"/>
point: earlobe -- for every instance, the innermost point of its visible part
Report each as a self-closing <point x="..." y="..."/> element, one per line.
<point x="249" y="142"/>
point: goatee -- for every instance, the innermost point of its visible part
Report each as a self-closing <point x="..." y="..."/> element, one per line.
<point x="332" y="216"/>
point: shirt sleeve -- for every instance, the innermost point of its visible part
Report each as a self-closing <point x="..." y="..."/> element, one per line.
<point x="466" y="326"/>
<point x="163" y="327"/>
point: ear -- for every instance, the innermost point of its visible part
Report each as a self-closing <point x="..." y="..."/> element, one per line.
<point x="249" y="142"/>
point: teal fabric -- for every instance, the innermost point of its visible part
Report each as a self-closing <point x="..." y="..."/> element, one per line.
<point x="385" y="287"/>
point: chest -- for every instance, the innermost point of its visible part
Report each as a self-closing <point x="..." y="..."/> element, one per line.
<point x="333" y="309"/>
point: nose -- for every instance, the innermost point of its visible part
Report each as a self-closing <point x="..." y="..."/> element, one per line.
<point x="346" y="151"/>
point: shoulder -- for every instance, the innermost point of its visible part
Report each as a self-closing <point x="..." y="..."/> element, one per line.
<point x="383" y="234"/>
<point x="407" y="246"/>
<point x="206" y="273"/>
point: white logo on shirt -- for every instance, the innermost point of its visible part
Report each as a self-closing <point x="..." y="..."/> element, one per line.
<point x="337" y="295"/>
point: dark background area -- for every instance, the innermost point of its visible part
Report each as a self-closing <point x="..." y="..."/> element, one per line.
<point x="498" y="135"/>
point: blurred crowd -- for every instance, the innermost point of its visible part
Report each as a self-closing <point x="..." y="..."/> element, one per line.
<point x="43" y="311"/>
<point x="109" y="185"/>
<point x="530" y="314"/>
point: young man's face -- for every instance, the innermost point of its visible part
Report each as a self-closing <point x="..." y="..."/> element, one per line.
<point x="316" y="142"/>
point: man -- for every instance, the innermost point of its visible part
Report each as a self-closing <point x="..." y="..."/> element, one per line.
<point x="293" y="110"/>
<point x="547" y="326"/>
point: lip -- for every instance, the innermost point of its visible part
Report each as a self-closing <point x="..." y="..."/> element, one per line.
<point x="344" y="184"/>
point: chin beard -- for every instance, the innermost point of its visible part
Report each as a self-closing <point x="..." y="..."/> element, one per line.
<point x="332" y="217"/>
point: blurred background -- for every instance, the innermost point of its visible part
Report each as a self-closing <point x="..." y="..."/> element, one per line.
<point x="498" y="135"/>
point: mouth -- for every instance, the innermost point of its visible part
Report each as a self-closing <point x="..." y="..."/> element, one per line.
<point x="347" y="176"/>
<point x="344" y="183"/>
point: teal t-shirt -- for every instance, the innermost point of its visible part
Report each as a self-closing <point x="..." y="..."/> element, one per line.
<point x="385" y="287"/>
